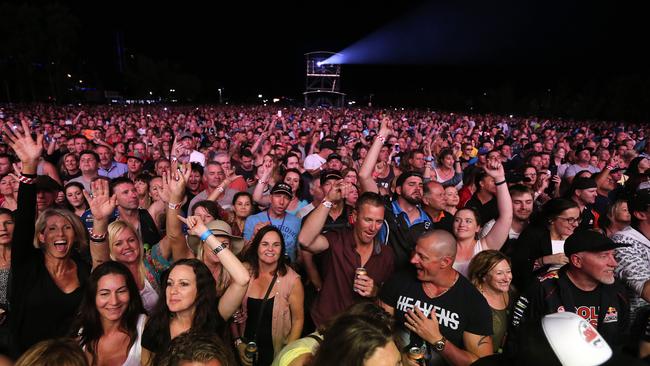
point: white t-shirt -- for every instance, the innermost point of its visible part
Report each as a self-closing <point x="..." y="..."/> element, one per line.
<point x="557" y="247"/>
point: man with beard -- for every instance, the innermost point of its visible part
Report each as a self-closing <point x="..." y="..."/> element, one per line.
<point x="585" y="286"/>
<point x="127" y="210"/>
<point x="522" y="208"/>
<point x="404" y="216"/>
<point x="344" y="250"/>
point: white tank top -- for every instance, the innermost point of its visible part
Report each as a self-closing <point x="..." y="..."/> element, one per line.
<point x="135" y="353"/>
<point x="149" y="296"/>
<point x="462" y="267"/>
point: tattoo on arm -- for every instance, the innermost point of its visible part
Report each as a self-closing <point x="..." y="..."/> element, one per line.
<point x="482" y="340"/>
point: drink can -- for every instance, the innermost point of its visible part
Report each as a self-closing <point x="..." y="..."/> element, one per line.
<point x="360" y="272"/>
<point x="251" y="350"/>
<point x="416" y="354"/>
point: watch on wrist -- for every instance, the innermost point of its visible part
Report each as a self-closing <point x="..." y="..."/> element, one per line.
<point x="439" y="346"/>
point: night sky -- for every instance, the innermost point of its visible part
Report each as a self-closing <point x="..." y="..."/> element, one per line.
<point x="410" y="46"/>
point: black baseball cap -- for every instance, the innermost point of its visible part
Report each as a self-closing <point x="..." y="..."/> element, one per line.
<point x="589" y="241"/>
<point x="329" y="175"/>
<point x="406" y="175"/>
<point x="334" y="156"/>
<point x="639" y="202"/>
<point x="282" y="188"/>
<point x="328" y="145"/>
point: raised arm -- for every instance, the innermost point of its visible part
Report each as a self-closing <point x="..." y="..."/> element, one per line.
<point x="498" y="235"/>
<point x="29" y="152"/>
<point x="173" y="193"/>
<point x="309" y="237"/>
<point x="262" y="183"/>
<point x="101" y="206"/>
<point x="232" y="298"/>
<point x="368" y="184"/>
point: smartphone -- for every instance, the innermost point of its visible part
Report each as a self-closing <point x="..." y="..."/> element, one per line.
<point x="279" y="113"/>
<point x="397" y="147"/>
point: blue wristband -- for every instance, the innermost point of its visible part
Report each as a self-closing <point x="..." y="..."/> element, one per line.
<point x="206" y="234"/>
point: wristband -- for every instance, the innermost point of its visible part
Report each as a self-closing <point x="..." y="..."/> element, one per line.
<point x="328" y="204"/>
<point x="26" y="180"/>
<point x="206" y="234"/>
<point x="609" y="167"/>
<point x="500" y="183"/>
<point x="218" y="248"/>
<point x="98" y="238"/>
<point x="220" y="189"/>
<point x="381" y="138"/>
<point x="174" y="206"/>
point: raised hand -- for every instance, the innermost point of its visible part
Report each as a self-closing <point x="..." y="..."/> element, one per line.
<point x="494" y="169"/>
<point x="386" y="127"/>
<point x="195" y="224"/>
<point x="174" y="182"/>
<point x="338" y="192"/>
<point x="101" y="205"/>
<point x="27" y="149"/>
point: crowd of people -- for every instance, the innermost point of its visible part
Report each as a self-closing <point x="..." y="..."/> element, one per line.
<point x="157" y="235"/>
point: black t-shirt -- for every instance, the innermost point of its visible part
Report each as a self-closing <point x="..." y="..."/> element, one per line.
<point x="247" y="174"/>
<point x="461" y="309"/>
<point x="488" y="211"/>
<point x="589" y="220"/>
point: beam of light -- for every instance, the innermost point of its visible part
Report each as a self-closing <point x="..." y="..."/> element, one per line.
<point x="446" y="33"/>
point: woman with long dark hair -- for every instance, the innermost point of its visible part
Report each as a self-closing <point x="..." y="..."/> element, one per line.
<point x="111" y="317"/>
<point x="188" y="298"/>
<point x="277" y="320"/>
<point x="74" y="198"/>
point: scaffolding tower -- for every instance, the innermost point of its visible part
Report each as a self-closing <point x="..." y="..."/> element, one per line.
<point x="323" y="81"/>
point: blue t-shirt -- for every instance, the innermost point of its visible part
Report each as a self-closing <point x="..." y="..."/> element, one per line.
<point x="289" y="227"/>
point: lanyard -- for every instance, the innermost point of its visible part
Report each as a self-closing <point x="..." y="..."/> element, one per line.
<point x="281" y="225"/>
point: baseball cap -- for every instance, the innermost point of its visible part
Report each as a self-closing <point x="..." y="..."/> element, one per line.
<point x="46" y="183"/>
<point x="589" y="241"/>
<point x="584" y="147"/>
<point x="574" y="340"/>
<point x="282" y="188"/>
<point x="135" y="155"/>
<point x="218" y="228"/>
<point x="329" y="175"/>
<point x="185" y="135"/>
<point x="404" y="176"/>
<point x="333" y="156"/>
<point x="639" y="202"/>
<point x="328" y="145"/>
<point x="583" y="183"/>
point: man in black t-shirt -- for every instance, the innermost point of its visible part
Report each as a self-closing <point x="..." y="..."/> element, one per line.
<point x="460" y="331"/>
<point x="585" y="286"/>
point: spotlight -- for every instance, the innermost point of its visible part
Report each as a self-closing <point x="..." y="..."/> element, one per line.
<point x="319" y="63"/>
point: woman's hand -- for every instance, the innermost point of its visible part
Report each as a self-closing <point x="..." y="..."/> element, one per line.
<point x="26" y="148"/>
<point x="174" y="182"/>
<point x="101" y="205"/>
<point x="195" y="224"/>
<point x="559" y="258"/>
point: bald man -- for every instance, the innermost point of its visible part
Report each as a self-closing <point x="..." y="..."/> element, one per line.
<point x="460" y="332"/>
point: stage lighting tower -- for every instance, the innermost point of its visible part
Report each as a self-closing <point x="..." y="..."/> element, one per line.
<point x="322" y="81"/>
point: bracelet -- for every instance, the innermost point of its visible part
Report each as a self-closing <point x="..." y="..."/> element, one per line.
<point x="263" y="182"/>
<point x="328" y="204"/>
<point x="98" y="238"/>
<point x="609" y="167"/>
<point x="218" y="248"/>
<point x="381" y="138"/>
<point x="206" y="234"/>
<point x="500" y="183"/>
<point x="26" y="180"/>
<point x="220" y="189"/>
<point x="173" y="206"/>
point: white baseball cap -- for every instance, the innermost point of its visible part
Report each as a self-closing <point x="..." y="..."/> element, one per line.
<point x="574" y="340"/>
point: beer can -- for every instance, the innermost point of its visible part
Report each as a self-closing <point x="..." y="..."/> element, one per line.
<point x="360" y="271"/>
<point x="251" y="350"/>
<point x="416" y="354"/>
